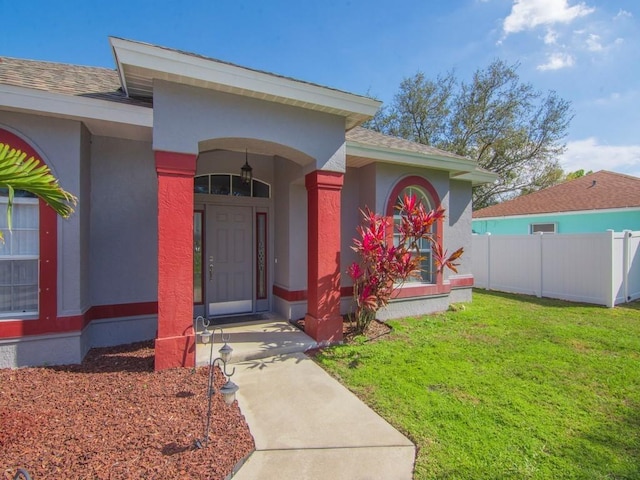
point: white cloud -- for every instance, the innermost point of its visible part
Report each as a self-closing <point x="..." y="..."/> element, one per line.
<point x="556" y="61"/>
<point x="593" y="43"/>
<point x="623" y="14"/>
<point x="550" y="37"/>
<point x="528" y="14"/>
<point x="588" y="154"/>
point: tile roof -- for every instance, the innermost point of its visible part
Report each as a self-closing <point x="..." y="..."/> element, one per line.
<point x="75" y="80"/>
<point x="596" y="191"/>
<point x="373" y="138"/>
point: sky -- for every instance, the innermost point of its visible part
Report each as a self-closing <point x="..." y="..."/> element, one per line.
<point x="587" y="51"/>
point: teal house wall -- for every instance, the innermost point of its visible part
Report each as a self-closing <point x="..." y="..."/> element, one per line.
<point x="570" y="222"/>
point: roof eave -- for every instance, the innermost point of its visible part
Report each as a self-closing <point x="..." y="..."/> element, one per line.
<point x="568" y="212"/>
<point x="477" y="177"/>
<point x="91" y="111"/>
<point x="456" y="165"/>
<point x="151" y="62"/>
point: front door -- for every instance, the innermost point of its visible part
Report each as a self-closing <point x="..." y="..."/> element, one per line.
<point x="228" y="260"/>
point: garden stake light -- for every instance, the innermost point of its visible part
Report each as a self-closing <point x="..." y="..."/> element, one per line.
<point x="229" y="389"/>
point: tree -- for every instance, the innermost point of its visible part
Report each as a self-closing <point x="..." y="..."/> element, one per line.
<point x="31" y="175"/>
<point x="504" y="124"/>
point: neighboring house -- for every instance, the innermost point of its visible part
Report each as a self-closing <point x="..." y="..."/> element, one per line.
<point x="166" y="228"/>
<point x="593" y="203"/>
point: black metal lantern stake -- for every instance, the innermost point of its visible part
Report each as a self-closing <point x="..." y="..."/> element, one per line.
<point x="229" y="389"/>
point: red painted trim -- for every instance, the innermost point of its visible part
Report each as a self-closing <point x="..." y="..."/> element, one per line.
<point x="48" y="258"/>
<point x="422" y="290"/>
<point x="324" y="322"/>
<point x="324" y="180"/>
<point x="346" y="291"/>
<point x="171" y="163"/>
<point x="289" y="295"/>
<point x="202" y="252"/>
<point x="408" y="182"/>
<point x="100" y="312"/>
<point x="266" y="247"/>
<point x="461" y="282"/>
<point x="73" y="323"/>
<point x="175" y="255"/>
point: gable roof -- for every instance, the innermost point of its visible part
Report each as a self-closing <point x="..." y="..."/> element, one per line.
<point x="366" y="146"/>
<point x="596" y="191"/>
<point x="140" y="64"/>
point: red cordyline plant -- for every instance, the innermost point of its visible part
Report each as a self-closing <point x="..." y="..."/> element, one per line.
<point x="384" y="267"/>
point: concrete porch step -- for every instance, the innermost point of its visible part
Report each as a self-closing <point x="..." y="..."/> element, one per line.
<point x="257" y="339"/>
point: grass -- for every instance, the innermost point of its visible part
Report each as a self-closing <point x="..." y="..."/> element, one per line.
<point x="512" y="387"/>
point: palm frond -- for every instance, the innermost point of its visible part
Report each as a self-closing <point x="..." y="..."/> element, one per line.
<point x="17" y="172"/>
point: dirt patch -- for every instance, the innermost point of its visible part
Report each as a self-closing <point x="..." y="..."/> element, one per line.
<point x="375" y="330"/>
<point x="113" y="417"/>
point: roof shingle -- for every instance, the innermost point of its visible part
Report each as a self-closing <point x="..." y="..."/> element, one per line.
<point x="371" y="137"/>
<point x="596" y="191"/>
<point x="75" y="80"/>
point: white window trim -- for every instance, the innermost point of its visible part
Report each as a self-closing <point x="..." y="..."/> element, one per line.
<point x="31" y="314"/>
<point x="533" y="225"/>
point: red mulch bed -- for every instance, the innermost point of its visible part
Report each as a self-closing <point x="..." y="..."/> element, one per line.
<point x="113" y="417"/>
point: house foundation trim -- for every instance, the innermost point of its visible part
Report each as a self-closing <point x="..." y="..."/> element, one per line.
<point x="175" y="341"/>
<point x="323" y="321"/>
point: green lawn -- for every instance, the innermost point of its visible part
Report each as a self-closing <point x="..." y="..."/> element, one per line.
<point x="511" y="387"/>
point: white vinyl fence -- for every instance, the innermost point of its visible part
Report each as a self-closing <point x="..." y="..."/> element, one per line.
<point x="601" y="268"/>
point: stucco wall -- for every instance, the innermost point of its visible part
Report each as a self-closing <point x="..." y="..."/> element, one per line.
<point x="60" y="144"/>
<point x="590" y="222"/>
<point x="290" y="236"/>
<point x="85" y="219"/>
<point x="372" y="185"/>
<point x="458" y="224"/>
<point x="184" y="116"/>
<point x="124" y="222"/>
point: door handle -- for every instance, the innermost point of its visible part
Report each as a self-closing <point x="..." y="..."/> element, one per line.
<point x="211" y="271"/>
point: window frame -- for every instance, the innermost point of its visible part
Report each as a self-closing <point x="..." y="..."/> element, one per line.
<point x="414" y="289"/>
<point x="532" y="227"/>
<point x="45" y="320"/>
<point x="231" y="188"/>
<point x="15" y="257"/>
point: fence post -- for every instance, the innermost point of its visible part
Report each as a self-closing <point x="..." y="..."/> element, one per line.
<point x="488" y="260"/>
<point x="611" y="301"/>
<point x="540" y="265"/>
<point x="626" y="263"/>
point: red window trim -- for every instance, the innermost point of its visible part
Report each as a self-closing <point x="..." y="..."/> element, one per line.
<point x="204" y="239"/>
<point x="266" y="249"/>
<point x="48" y="275"/>
<point x="424" y="184"/>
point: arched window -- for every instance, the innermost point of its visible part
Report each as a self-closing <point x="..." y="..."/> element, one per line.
<point x="28" y="256"/>
<point x="427" y="195"/>
<point x="230" y="185"/>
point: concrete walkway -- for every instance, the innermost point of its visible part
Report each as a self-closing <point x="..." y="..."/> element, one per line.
<point x="306" y="425"/>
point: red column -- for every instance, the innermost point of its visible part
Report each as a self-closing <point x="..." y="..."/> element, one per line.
<point x="323" y="321"/>
<point x="175" y="342"/>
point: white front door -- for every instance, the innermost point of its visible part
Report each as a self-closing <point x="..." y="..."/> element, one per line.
<point x="228" y="266"/>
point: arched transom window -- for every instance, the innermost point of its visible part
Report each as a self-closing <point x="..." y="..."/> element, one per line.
<point x="230" y="184"/>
